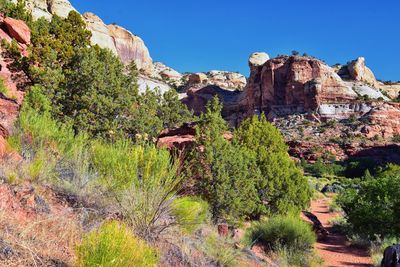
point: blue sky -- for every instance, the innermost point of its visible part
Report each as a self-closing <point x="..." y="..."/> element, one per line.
<point x="192" y="36"/>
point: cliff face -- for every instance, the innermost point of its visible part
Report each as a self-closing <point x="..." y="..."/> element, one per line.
<point x="123" y="43"/>
<point x="120" y="41"/>
<point x="289" y="84"/>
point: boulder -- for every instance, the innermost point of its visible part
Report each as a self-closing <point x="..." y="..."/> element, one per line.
<point x="18" y="30"/>
<point x="257" y="59"/>
<point x="100" y="32"/>
<point x="360" y="72"/>
<point x="391" y="256"/>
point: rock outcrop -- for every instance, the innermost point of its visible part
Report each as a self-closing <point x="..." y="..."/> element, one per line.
<point x="48" y="8"/>
<point x="18" y="30"/>
<point x="257" y="59"/>
<point x="100" y="32"/>
<point x="121" y="42"/>
<point x="360" y="72"/>
<point x="286" y="85"/>
<point x="11" y="98"/>
<point x="131" y="48"/>
<point x="223" y="79"/>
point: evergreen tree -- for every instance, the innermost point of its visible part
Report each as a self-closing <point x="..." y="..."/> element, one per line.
<point x="224" y="172"/>
<point x="282" y="186"/>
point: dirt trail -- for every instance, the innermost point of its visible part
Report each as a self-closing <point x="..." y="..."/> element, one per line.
<point x="334" y="249"/>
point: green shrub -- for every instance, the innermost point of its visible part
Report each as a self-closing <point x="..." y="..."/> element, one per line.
<point x="220" y="250"/>
<point x="225" y="174"/>
<point x="114" y="245"/>
<point x="373" y="206"/>
<point x="281" y="231"/>
<point x="281" y="183"/>
<point x="284" y="257"/>
<point x="190" y="212"/>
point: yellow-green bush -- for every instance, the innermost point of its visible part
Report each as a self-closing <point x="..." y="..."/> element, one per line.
<point x="282" y="231"/>
<point x="190" y="212"/>
<point x="114" y="245"/>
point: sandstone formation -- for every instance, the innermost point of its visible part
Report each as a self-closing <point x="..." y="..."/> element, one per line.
<point x="224" y="79"/>
<point x="100" y="32"/>
<point x="131" y="48"/>
<point x="121" y="42"/>
<point x="286" y="85"/>
<point x="18" y="30"/>
<point x="166" y="73"/>
<point x="391" y="89"/>
<point x="11" y="100"/>
<point x="360" y="72"/>
<point x="257" y="59"/>
<point x="48" y="8"/>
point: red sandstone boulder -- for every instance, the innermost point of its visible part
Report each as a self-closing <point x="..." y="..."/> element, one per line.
<point x="18" y="30"/>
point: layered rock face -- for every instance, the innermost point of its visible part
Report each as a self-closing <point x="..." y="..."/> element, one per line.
<point x="121" y="42"/>
<point x="287" y="85"/>
<point x="131" y="48"/>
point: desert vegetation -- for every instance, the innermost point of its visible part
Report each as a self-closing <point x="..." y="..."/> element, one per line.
<point x="86" y="133"/>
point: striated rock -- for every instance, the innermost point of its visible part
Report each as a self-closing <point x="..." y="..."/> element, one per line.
<point x="286" y="85"/>
<point x="360" y="72"/>
<point x="100" y="32"/>
<point x="18" y="30"/>
<point x="131" y="48"/>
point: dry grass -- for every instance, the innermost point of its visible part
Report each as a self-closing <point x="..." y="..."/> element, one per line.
<point x="36" y="237"/>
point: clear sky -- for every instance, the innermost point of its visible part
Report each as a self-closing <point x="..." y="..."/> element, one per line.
<point x="194" y="35"/>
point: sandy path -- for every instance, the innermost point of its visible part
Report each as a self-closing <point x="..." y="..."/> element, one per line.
<point x="334" y="249"/>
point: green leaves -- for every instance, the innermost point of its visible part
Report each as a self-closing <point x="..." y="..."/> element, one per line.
<point x="282" y="186"/>
<point x="373" y="208"/>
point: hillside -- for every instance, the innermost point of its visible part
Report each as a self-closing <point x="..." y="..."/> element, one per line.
<point x="111" y="159"/>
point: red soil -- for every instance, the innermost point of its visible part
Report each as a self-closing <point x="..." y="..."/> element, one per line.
<point x="334" y="248"/>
